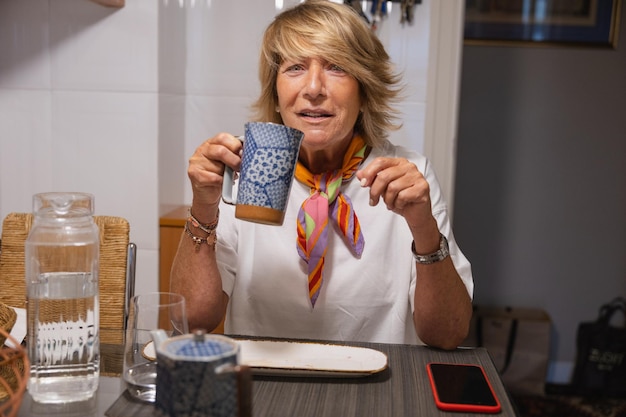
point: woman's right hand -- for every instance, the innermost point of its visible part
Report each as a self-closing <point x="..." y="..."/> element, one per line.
<point x="206" y="172"/>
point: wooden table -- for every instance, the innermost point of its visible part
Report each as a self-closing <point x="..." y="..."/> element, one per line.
<point x="402" y="390"/>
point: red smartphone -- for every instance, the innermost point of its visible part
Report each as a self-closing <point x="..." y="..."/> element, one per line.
<point x="462" y="387"/>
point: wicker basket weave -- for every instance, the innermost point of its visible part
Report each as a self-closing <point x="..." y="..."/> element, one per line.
<point x="114" y="239"/>
<point x="7" y="320"/>
<point x="14" y="366"/>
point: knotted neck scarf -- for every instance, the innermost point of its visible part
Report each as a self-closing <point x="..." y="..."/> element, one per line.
<point x="328" y="202"/>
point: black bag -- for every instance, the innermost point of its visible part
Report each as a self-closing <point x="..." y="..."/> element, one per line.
<point x="600" y="368"/>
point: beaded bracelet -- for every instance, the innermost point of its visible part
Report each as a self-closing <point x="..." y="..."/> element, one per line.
<point x="210" y="239"/>
<point x="206" y="228"/>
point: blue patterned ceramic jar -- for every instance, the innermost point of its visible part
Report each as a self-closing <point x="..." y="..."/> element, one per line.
<point x="198" y="375"/>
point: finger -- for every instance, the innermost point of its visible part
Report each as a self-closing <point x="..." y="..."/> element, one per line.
<point x="400" y="185"/>
<point x="397" y="186"/>
<point x="394" y="176"/>
<point x="367" y="174"/>
<point x="398" y="192"/>
<point x="408" y="191"/>
<point x="223" y="148"/>
<point x="206" y="165"/>
<point x="368" y="177"/>
<point x="379" y="188"/>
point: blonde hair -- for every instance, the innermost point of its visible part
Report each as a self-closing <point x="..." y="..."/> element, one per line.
<point x="334" y="32"/>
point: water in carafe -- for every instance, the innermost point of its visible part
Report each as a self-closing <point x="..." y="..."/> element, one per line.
<point x="62" y="252"/>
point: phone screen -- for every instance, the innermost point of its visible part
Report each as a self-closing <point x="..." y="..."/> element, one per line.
<point x="460" y="387"/>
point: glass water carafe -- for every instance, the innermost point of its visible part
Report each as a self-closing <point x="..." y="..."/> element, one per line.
<point x="62" y="252"/>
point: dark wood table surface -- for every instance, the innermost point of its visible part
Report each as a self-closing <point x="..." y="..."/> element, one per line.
<point x="401" y="390"/>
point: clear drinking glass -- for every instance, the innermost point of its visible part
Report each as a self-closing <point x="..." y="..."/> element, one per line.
<point x="151" y="311"/>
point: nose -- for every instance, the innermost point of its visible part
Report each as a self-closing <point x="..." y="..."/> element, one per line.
<point x="314" y="81"/>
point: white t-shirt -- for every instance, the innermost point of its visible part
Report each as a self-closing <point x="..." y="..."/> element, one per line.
<point x="368" y="299"/>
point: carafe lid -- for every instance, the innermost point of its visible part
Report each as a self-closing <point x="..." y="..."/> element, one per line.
<point x="63" y="205"/>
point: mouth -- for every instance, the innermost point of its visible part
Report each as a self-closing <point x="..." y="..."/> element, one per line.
<point x="314" y="114"/>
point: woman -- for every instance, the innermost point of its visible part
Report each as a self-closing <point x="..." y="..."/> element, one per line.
<point x="387" y="277"/>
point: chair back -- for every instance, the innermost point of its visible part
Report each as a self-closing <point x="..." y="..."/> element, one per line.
<point x="116" y="269"/>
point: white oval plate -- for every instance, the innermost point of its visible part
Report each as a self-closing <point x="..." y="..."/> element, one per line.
<point x="310" y="359"/>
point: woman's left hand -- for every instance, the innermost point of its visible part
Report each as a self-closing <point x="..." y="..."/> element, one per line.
<point x="443" y="307"/>
<point x="402" y="187"/>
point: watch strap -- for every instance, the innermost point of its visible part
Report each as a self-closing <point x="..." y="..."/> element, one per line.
<point x="437" y="256"/>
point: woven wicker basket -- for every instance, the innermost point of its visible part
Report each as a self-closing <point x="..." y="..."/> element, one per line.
<point x="14" y="366"/>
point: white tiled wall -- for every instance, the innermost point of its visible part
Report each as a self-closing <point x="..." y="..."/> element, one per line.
<point x="114" y="101"/>
<point x="79" y="110"/>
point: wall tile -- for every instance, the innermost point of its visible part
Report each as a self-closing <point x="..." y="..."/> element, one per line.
<point x="24" y="40"/>
<point x="105" y="144"/>
<point x="172" y="48"/>
<point x="173" y="155"/>
<point x="101" y="48"/>
<point x="408" y="47"/>
<point x="410" y="135"/>
<point x="26" y="166"/>
<point x="147" y="273"/>
<point x="223" y="46"/>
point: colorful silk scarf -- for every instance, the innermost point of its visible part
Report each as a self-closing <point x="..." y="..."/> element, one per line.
<point x="327" y="199"/>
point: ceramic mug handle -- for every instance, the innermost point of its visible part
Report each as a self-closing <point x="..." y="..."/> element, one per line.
<point x="228" y="182"/>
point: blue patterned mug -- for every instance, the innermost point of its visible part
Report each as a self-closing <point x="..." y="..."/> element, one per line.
<point x="268" y="163"/>
<point x="198" y="375"/>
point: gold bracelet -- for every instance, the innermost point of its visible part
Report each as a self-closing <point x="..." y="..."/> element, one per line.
<point x="210" y="239"/>
<point x="206" y="228"/>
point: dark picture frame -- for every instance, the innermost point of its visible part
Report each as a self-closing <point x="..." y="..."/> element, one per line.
<point x="591" y="23"/>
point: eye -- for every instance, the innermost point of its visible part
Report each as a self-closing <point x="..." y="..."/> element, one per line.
<point x="336" y="68"/>
<point x="292" y="67"/>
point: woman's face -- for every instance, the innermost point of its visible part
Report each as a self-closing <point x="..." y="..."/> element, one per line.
<point x="320" y="99"/>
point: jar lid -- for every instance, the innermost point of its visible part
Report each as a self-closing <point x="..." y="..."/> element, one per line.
<point x="199" y="346"/>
